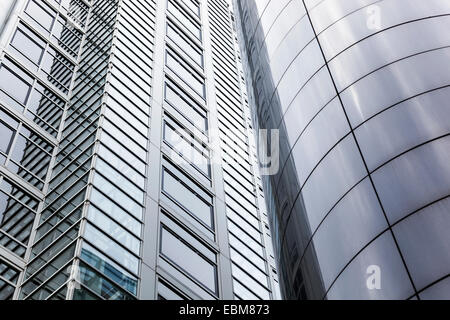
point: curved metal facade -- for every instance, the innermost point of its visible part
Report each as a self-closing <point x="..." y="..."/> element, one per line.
<point x="359" y="90"/>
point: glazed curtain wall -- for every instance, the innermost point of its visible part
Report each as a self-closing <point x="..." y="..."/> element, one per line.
<point x="360" y="92"/>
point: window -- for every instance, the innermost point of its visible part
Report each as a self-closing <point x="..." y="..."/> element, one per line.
<point x="249" y="267"/>
<point x="17" y="212"/>
<point x="238" y="233"/>
<point x="63" y="33"/>
<point x="120" y="180"/>
<point x="188" y="258"/>
<point x="114" y="230"/>
<point x="66" y="36"/>
<point x="250" y="283"/>
<point x="41" y="13"/>
<point x="165" y="292"/>
<point x="118" y="134"/>
<point x="186" y="145"/>
<point x="115" y="211"/>
<point x="193" y="5"/>
<point x="76" y="9"/>
<point x="57" y="69"/>
<point x="186" y="106"/>
<point x="117" y="118"/>
<point x="247" y="252"/>
<point x="15" y="85"/>
<point x="107" y="245"/>
<point x="242" y="292"/>
<point x="246" y="222"/>
<point x="187" y="195"/>
<point x="45" y="108"/>
<point x="100" y="285"/>
<point x="185" y="44"/>
<point x="50" y="63"/>
<point x="28" y="44"/>
<point x="129" y="157"/>
<point x="118" y="195"/>
<point x="185" y="19"/>
<point x="6" y="135"/>
<point x="40" y="104"/>
<point x="29" y="155"/>
<point x="122" y="166"/>
<point x="185" y="72"/>
<point x="109" y="268"/>
<point x="8" y="276"/>
<point x="8" y="273"/>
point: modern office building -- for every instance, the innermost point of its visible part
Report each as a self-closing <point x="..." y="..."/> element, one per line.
<point x="360" y="93"/>
<point x="127" y="160"/>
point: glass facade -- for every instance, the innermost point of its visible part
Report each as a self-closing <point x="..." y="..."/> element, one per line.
<point x="359" y="93"/>
<point x="127" y="159"/>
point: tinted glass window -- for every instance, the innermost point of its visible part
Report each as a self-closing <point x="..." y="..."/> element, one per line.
<point x="192" y="150"/>
<point x="6" y="135"/>
<point x="187" y="198"/>
<point x="117" y="252"/>
<point x="183" y="18"/>
<point x="41" y="13"/>
<point x="180" y="67"/>
<point x="178" y="252"/>
<point x="182" y="41"/>
<point x="109" y="268"/>
<point x="193" y="5"/>
<point x="167" y="293"/>
<point x="28" y="45"/>
<point x="185" y="106"/>
<point x="13" y="85"/>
